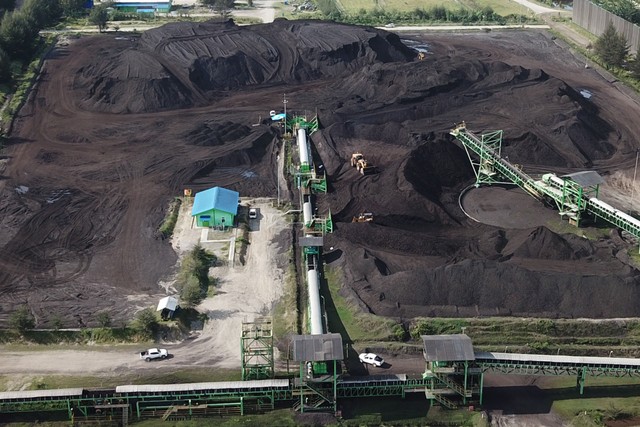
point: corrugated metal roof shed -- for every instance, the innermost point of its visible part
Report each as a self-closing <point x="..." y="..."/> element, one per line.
<point x="569" y="360"/>
<point x="142" y="2"/>
<point x="309" y="241"/>
<point x="317" y="348"/>
<point x="585" y="178"/>
<point x="32" y="394"/>
<point x="170" y="303"/>
<point x="187" y="387"/>
<point x="447" y="348"/>
<point x="216" y="198"/>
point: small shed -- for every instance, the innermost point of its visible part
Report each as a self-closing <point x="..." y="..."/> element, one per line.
<point x="143" y="6"/>
<point x="447" y="348"/>
<point x="215" y="207"/>
<point x="167" y="307"/>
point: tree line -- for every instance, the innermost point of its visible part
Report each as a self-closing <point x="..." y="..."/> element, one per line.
<point x="20" y="28"/>
<point x="434" y="14"/>
<point x="612" y="48"/>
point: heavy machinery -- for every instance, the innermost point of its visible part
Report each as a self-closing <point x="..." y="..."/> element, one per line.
<point x="363" y="217"/>
<point x="361" y="164"/>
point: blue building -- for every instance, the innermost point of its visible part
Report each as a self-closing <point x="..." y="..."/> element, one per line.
<point x="215" y="207"/>
<point x="142" y="6"/>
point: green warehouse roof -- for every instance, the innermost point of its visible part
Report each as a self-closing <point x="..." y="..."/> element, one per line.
<point x="217" y="198"/>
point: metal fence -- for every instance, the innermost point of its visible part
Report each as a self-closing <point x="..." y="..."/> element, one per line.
<point x="595" y="19"/>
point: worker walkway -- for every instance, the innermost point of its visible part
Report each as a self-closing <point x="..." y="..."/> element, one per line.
<point x="545" y="364"/>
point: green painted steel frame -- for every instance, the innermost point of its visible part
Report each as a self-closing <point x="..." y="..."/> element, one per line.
<point x="381" y="388"/>
<point x="619" y="222"/>
<point x="301" y="122"/>
<point x="458" y="376"/>
<point x="573" y="201"/>
<point x="491" y="166"/>
<point x="325" y="390"/>
<point x="212" y="398"/>
<point x="256" y="350"/>
<point x="559" y="369"/>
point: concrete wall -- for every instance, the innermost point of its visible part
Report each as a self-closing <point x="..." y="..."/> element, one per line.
<point x="595" y="19"/>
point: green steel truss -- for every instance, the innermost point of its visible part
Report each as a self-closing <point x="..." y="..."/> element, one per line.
<point x="571" y="199"/>
<point x="373" y="388"/>
<point x="619" y="219"/>
<point x="310" y="179"/>
<point x="453" y="383"/>
<point x="491" y="168"/>
<point x="581" y="371"/>
<point x="301" y="122"/>
<point x="317" y="391"/>
<point x="257" y="349"/>
<point x="207" y="403"/>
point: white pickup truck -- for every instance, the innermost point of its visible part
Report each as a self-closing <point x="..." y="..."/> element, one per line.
<point x="154" y="353"/>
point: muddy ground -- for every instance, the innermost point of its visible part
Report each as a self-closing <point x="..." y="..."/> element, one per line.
<point x="119" y="125"/>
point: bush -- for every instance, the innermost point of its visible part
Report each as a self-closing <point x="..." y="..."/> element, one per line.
<point x="436" y="327"/>
<point x="166" y="229"/>
<point x="146" y="323"/>
<point x="193" y="279"/>
<point x="104" y="319"/>
<point x="22" y="320"/>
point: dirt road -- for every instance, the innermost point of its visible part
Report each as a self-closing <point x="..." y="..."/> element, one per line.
<point x="244" y="293"/>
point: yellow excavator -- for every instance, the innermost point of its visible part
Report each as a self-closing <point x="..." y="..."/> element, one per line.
<point x="363" y="217"/>
<point x="361" y="164"/>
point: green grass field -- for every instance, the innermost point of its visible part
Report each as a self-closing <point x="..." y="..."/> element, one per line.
<point x="501" y="7"/>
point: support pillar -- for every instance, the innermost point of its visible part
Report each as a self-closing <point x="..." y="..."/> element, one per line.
<point x="582" y="376"/>
<point x="481" y="386"/>
<point x="466" y="371"/>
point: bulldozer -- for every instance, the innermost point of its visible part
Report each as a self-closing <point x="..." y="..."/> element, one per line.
<point x="363" y="217"/>
<point x="361" y="164"/>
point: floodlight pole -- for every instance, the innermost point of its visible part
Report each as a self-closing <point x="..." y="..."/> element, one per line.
<point x="284" y="101"/>
<point x="633" y="184"/>
<point x="635" y="172"/>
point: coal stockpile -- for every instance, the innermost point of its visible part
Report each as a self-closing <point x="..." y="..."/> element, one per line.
<point x="118" y="125"/>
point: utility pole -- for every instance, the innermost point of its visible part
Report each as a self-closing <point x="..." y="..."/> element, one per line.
<point x="633" y="184"/>
<point x="284" y="101"/>
<point x="635" y="172"/>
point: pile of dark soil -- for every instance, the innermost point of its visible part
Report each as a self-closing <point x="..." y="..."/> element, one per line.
<point x="85" y="186"/>
<point x="191" y="64"/>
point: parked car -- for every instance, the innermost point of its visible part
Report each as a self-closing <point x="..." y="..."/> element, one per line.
<point x="253" y="213"/>
<point x="371" y="359"/>
<point x="154" y="353"/>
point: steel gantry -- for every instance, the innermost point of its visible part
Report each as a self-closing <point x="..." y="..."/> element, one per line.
<point x="543" y="364"/>
<point x="491" y="167"/>
<point x="257" y="349"/>
<point x="307" y="175"/>
<point x="574" y="195"/>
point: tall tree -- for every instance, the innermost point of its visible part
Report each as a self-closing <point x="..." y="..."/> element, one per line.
<point x="612" y="47"/>
<point x="43" y="12"/>
<point x="7" y="5"/>
<point x="18" y="33"/>
<point x="99" y="16"/>
<point x="223" y="7"/>
<point x="5" y="67"/>
<point x="72" y="7"/>
<point x="634" y="67"/>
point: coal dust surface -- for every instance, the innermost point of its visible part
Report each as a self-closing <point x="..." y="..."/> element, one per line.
<point x="118" y="125"/>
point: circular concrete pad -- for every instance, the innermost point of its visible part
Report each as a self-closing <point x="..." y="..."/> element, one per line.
<point x="506" y="207"/>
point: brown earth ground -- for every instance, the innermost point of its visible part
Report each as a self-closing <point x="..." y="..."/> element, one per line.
<point x="117" y="126"/>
